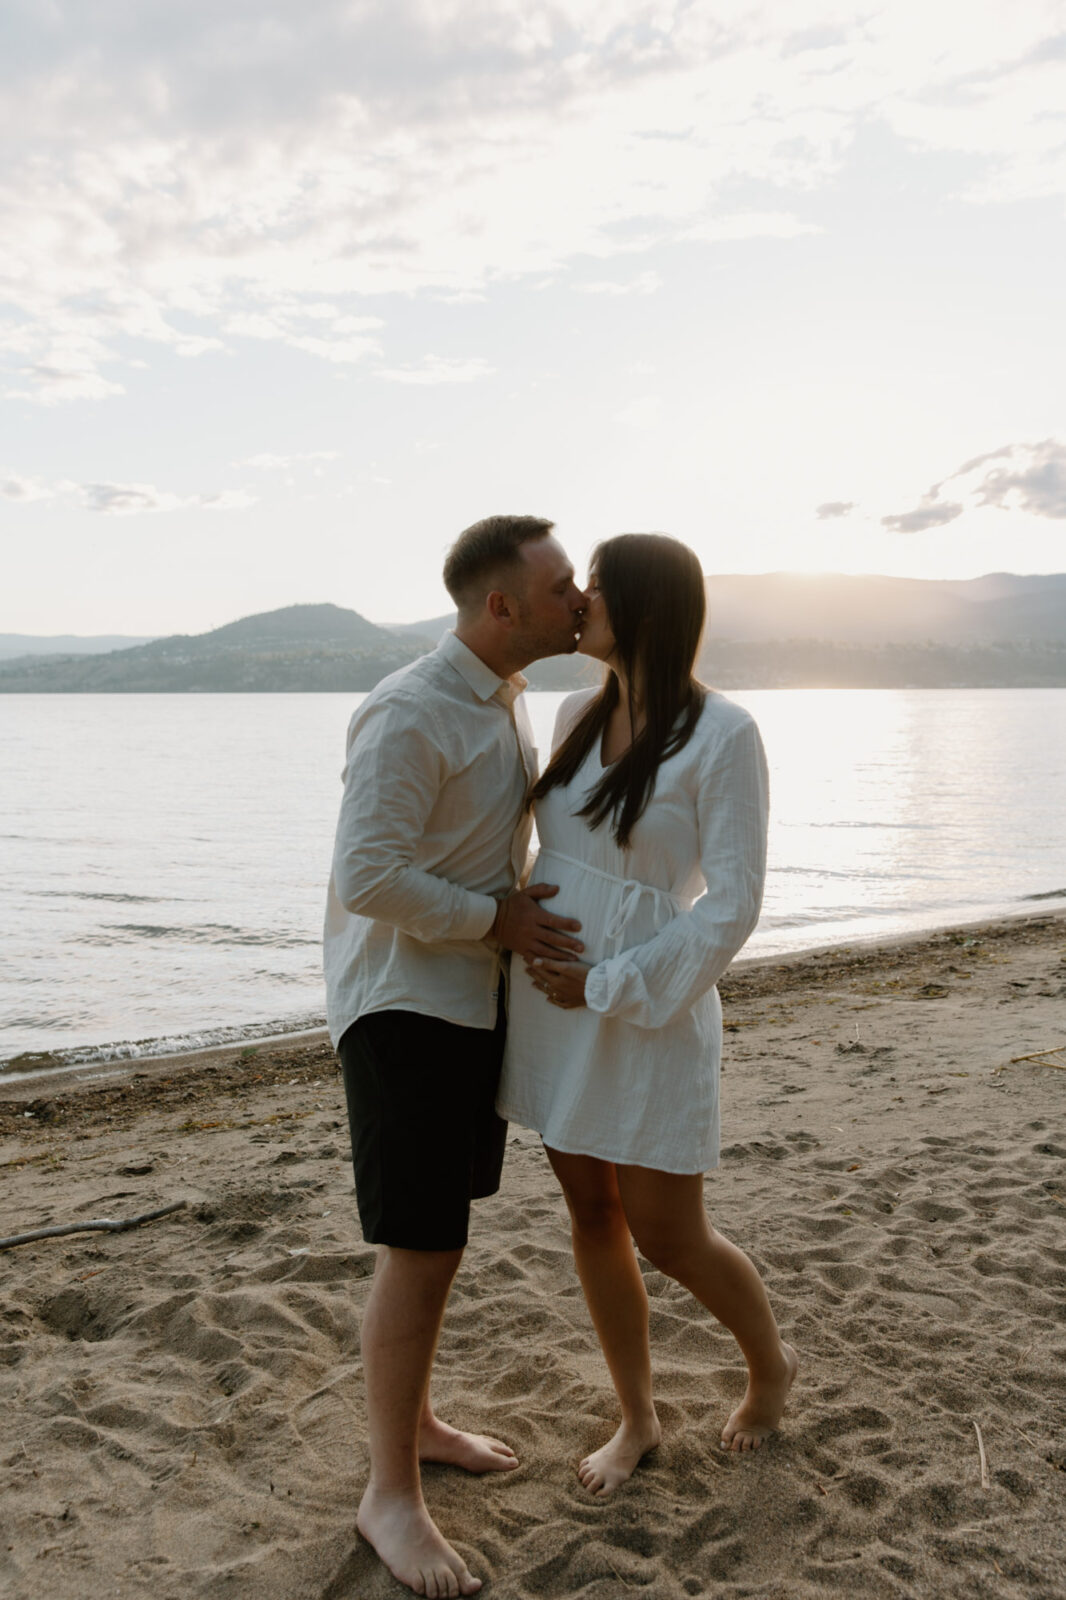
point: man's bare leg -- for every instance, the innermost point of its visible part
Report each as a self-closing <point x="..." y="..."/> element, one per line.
<point x="400" y="1331"/>
<point x="474" y="1452"/>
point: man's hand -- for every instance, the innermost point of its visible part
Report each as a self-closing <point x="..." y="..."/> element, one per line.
<point x="562" y="981"/>
<point x="523" y="926"/>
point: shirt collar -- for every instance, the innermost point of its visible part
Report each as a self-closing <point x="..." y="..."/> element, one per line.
<point x="484" y="682"/>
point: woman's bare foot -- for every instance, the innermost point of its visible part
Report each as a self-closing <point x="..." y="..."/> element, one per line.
<point x="759" y="1412"/>
<point x="412" y="1546"/>
<point x="475" y="1452"/>
<point x="606" y="1468"/>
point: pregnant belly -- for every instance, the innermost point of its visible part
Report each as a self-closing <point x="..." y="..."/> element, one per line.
<point x="615" y="913"/>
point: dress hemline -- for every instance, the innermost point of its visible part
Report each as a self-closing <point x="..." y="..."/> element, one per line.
<point x="614" y="1161"/>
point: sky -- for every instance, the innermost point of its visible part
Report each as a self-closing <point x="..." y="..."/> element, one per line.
<point x="291" y="294"/>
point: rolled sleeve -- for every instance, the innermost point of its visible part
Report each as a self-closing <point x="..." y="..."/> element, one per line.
<point x="394" y="774"/>
<point x="656" y="982"/>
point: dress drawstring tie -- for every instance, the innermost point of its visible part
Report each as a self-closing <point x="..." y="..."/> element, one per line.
<point x="631" y="890"/>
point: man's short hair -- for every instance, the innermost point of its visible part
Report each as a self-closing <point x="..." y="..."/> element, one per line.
<point x="486" y="553"/>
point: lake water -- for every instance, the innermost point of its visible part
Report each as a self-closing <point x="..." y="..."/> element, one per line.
<point x="163" y="858"/>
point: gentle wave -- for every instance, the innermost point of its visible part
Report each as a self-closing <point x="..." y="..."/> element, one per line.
<point x="900" y="827"/>
<point x="856" y="875"/>
<point x="98" y="894"/>
<point x="854" y="922"/>
<point x="920" y="911"/>
<point x="31" y="1063"/>
<point x="209" y="933"/>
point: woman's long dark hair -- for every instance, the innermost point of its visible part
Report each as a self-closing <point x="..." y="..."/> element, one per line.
<point x="652" y="587"/>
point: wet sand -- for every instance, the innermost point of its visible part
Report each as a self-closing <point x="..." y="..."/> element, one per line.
<point x="183" y="1402"/>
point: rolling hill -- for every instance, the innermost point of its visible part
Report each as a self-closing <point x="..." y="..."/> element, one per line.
<point x="773" y="630"/>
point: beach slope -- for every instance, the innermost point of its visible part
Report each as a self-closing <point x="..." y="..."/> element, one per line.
<point x="183" y="1402"/>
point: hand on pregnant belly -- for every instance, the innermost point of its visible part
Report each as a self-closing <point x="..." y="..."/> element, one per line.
<point x="562" y="981"/>
<point x="523" y="924"/>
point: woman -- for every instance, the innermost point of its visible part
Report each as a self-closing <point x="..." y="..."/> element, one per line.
<point x="656" y="791"/>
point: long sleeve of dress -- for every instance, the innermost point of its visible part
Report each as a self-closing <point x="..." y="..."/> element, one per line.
<point x="656" y="982"/>
<point x="392" y="783"/>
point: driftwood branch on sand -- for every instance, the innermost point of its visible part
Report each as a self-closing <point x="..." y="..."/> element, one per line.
<point x="101" y="1225"/>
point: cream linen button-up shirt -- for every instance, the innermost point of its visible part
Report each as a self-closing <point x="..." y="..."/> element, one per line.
<point x="433" y="826"/>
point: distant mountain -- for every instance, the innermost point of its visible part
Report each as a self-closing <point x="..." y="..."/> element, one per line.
<point x="837" y="608"/>
<point x="297" y="648"/>
<point x="826" y="664"/>
<point x="431" y="630"/>
<point x="1000" y="608"/>
<point x="66" y="644"/>
<point x="767" y="631"/>
<point x="828" y="630"/>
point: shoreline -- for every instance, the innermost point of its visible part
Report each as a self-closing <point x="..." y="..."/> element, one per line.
<point x="190" y="1394"/>
<point x="118" y="1068"/>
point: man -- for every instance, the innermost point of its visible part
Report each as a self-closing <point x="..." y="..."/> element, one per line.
<point x="431" y="846"/>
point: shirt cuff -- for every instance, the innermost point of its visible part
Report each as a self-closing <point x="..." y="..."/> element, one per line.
<point x="482" y="914"/>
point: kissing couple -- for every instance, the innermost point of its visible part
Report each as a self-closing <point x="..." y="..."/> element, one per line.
<point x="604" y="1035"/>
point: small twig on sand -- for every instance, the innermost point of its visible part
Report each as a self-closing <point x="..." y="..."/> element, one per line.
<point x="1025" y="1436"/>
<point x="1041" y="1056"/>
<point x="985" y="1481"/>
<point x="101" y="1225"/>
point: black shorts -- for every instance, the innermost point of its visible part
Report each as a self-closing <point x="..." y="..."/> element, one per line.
<point x="426" y="1139"/>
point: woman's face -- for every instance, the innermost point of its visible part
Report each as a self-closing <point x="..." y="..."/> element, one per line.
<point x="597" y="639"/>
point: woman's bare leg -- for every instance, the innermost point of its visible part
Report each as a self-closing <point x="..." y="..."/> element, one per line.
<point x="665" y="1211"/>
<point x="614" y="1291"/>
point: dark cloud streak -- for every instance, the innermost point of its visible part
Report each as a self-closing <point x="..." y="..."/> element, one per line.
<point x="833" y="508"/>
<point x="929" y="514"/>
<point x="1027" y="477"/>
<point x="1037" y="485"/>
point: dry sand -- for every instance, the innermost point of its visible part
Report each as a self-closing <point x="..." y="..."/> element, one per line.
<point x="183" y="1408"/>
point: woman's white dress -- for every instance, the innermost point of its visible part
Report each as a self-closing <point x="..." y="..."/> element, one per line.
<point x="632" y="1077"/>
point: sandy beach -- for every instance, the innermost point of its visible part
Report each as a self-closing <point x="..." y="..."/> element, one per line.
<point x="183" y="1404"/>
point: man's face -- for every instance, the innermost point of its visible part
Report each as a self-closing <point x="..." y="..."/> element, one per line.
<point x="549" y="603"/>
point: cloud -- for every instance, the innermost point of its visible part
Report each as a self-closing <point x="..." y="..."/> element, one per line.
<point x="929" y="513"/>
<point x="120" y="499"/>
<point x="126" y="499"/>
<point x="749" y="225"/>
<point x="1026" y="477"/>
<point x="825" y="37"/>
<point x="833" y="508"/>
<point x="439" y="369"/>
<point x="134" y="499"/>
<point x="1032" y="479"/>
<point x="265" y="462"/>
<point x="643" y="283"/>
<point x="227" y="500"/>
<point x="24" y="489"/>
<point x="322" y="331"/>
<point x="181" y="177"/>
<point x="50" y="384"/>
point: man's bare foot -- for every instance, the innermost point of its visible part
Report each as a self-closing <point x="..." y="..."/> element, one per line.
<point x="475" y="1452"/>
<point x="759" y="1412"/>
<point x="603" y="1470"/>
<point x="412" y="1546"/>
